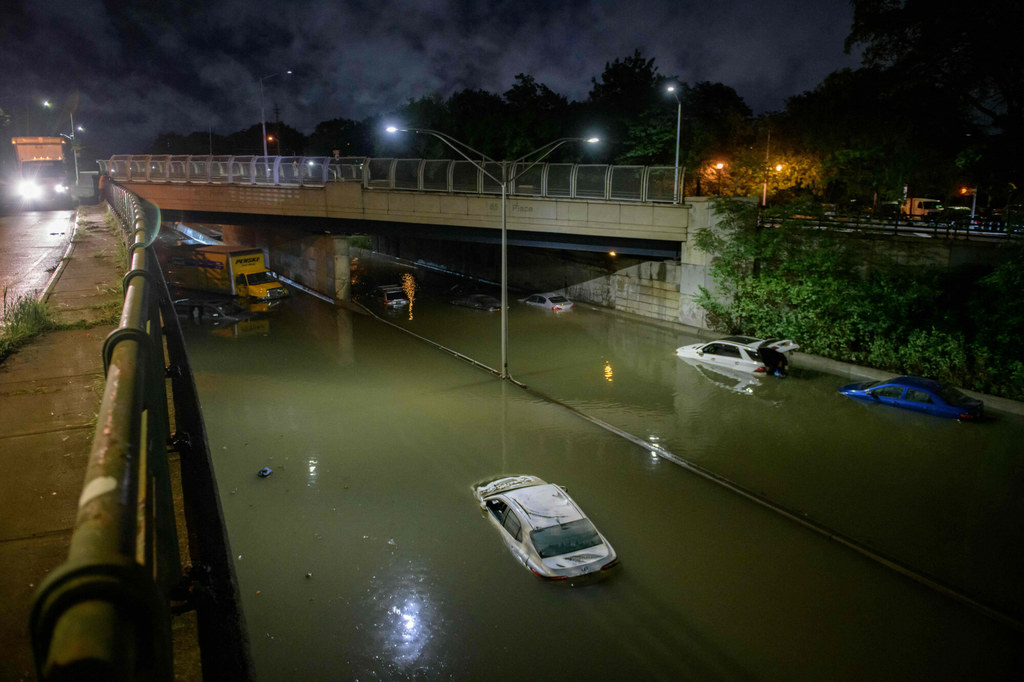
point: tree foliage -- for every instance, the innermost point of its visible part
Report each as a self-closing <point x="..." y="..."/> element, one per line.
<point x="812" y="286"/>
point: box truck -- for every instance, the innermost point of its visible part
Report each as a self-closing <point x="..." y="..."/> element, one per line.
<point x="918" y="208"/>
<point x="42" y="173"/>
<point x="224" y="270"/>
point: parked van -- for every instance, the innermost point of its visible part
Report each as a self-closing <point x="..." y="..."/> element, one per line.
<point x="917" y="208"/>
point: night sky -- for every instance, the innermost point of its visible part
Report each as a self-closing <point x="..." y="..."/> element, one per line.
<point x="141" y="68"/>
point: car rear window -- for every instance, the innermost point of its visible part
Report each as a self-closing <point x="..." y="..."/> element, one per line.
<point x="565" y="538"/>
<point x="559" y="299"/>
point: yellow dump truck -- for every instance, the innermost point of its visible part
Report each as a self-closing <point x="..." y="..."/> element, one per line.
<point x="225" y="270"/>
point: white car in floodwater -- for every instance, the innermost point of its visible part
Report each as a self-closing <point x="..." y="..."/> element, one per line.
<point x="742" y="353"/>
<point x="543" y="528"/>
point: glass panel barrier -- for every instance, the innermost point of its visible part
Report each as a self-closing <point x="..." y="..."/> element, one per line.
<point x="627" y="183"/>
<point x="199" y="169"/>
<point x="490" y="185"/>
<point x="435" y="175"/>
<point x="591" y="182"/>
<point x="314" y="171"/>
<point x="157" y="167"/>
<point x="289" y="170"/>
<point x="465" y="177"/>
<point x="378" y="172"/>
<point x="407" y="173"/>
<point x="264" y="170"/>
<point x="220" y="169"/>
<point x="241" y="170"/>
<point x="177" y="169"/>
<point x="530" y="182"/>
<point x="660" y="181"/>
<point x="559" y="180"/>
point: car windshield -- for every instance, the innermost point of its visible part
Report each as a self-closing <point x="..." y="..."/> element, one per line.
<point x="565" y="538"/>
<point x="259" y="278"/>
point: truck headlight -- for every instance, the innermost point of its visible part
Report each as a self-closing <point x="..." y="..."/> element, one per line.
<point x="29" y="190"/>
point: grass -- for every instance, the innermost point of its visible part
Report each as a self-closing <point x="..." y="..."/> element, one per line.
<point x="23" y="319"/>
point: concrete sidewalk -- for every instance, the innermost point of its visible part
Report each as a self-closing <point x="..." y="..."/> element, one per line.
<point x="50" y="393"/>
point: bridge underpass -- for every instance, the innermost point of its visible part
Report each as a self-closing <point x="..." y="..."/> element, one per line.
<point x="627" y="239"/>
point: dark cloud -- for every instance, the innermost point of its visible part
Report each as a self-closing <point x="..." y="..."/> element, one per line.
<point x="176" y="65"/>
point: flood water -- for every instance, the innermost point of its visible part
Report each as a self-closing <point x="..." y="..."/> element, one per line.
<point x="364" y="555"/>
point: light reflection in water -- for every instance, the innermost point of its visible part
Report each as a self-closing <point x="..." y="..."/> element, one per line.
<point x="314" y="471"/>
<point x="608" y="373"/>
<point x="409" y="287"/>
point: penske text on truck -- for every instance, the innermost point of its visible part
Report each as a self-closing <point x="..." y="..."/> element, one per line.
<point x="225" y="270"/>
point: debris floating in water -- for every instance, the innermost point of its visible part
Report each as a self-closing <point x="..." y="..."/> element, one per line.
<point x="264" y="472"/>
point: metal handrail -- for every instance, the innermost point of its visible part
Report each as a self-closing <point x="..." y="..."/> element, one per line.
<point x="105" y="612"/>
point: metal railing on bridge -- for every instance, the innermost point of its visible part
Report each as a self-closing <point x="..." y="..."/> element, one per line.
<point x="105" y="613"/>
<point x="550" y="180"/>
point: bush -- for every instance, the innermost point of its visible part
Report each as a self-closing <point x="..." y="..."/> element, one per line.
<point x="961" y="326"/>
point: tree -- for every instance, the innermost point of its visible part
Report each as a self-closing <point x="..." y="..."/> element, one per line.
<point x="350" y="138"/>
<point x="971" y="55"/>
<point x="627" y="90"/>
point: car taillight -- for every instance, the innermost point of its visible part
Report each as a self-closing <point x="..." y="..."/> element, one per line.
<point x="556" y="307"/>
<point x="548" y="577"/>
<point x="611" y="564"/>
<point x="760" y="369"/>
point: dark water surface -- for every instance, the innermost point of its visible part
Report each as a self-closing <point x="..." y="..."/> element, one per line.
<point x="364" y="556"/>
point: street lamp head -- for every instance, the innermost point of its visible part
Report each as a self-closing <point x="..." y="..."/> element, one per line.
<point x="47" y="103"/>
<point x="592" y="140"/>
<point x="719" y="165"/>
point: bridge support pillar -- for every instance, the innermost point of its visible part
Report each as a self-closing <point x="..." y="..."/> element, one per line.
<point x="342" y="284"/>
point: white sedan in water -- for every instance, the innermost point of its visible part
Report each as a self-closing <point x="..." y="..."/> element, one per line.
<point x="544" y="529"/>
<point x="552" y="301"/>
<point x="742" y="353"/>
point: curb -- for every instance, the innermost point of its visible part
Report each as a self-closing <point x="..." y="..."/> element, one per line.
<point x="48" y="289"/>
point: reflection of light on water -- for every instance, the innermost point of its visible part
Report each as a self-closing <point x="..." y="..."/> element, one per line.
<point x="608" y="371"/>
<point x="314" y="470"/>
<point x="409" y="287"/>
<point x="406" y="627"/>
<point x="655" y="445"/>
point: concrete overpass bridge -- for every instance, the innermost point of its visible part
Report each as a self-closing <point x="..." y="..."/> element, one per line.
<point x="628" y="210"/>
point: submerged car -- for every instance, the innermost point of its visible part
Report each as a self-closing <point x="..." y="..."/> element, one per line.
<point x="394" y="296"/>
<point x="215" y="311"/>
<point x="478" y="302"/>
<point x="552" y="301"/>
<point x="745" y="353"/>
<point x="917" y="394"/>
<point x="544" y="529"/>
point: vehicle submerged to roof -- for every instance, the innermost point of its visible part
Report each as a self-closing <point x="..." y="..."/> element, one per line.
<point x="917" y="394"/>
<point x="742" y="353"/>
<point x="394" y="296"/>
<point x="544" y="528"/>
<point x="478" y="302"/>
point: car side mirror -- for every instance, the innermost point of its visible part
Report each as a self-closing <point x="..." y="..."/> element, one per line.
<point x="700" y="353"/>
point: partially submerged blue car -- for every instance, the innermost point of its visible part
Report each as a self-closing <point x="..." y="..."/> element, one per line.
<point x="921" y="395"/>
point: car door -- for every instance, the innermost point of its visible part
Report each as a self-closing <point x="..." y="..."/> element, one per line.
<point x="513" y="527"/>
<point x="919" y="401"/>
<point x="890" y="394"/>
<point x="724" y="354"/>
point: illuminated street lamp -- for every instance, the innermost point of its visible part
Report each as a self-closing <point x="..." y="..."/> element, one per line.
<point x="679" y="123"/>
<point x="71" y="138"/>
<point x="719" y="166"/>
<point x="263" y="112"/>
<point x="973" y="193"/>
<point x="461" y="148"/>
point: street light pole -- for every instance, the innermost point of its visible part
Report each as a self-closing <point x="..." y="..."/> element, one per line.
<point x="679" y="125"/>
<point x="504" y="181"/>
<point x="263" y="112"/>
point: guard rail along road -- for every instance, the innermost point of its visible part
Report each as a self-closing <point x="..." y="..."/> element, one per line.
<point x="106" y="612"/>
